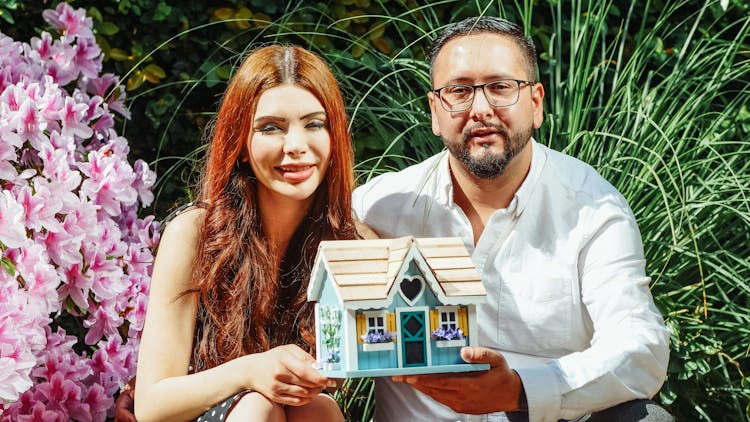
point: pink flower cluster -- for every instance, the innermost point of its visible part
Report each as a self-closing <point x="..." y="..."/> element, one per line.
<point x="76" y="259"/>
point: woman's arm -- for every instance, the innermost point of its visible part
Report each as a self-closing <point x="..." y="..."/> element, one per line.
<point x="165" y="391"/>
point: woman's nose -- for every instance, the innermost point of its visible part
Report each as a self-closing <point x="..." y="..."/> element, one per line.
<point x="295" y="142"/>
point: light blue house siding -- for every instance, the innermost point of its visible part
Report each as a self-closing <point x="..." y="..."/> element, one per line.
<point x="389" y="358"/>
<point x="328" y="298"/>
<point x="377" y="359"/>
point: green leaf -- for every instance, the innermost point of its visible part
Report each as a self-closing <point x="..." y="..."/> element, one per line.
<point x="155" y="71"/>
<point x="162" y="11"/>
<point x="667" y="395"/>
<point x="7" y="17"/>
<point x="108" y="28"/>
<point x="8" y="266"/>
<point x="95" y="13"/>
<point x="118" y="54"/>
<point x="135" y="81"/>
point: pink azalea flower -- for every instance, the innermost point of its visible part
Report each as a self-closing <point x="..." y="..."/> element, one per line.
<point x="12" y="229"/>
<point x="108" y="280"/>
<point x="12" y="98"/>
<point x="72" y="22"/>
<point x="144" y="182"/>
<point x="62" y="247"/>
<point x="112" y="363"/>
<point x="14" y="375"/>
<point x="103" y="320"/>
<point x="98" y="402"/>
<point x="40" y="413"/>
<point x="71" y="116"/>
<point x="87" y="58"/>
<point x="69" y="224"/>
<point x="40" y="209"/>
<point x="59" y="357"/>
<point x="63" y="180"/>
<point x="50" y="102"/>
<point x="60" y="393"/>
<point x="76" y="285"/>
<point x="108" y="182"/>
<point x="30" y="123"/>
<point x="43" y="46"/>
<point x="102" y="87"/>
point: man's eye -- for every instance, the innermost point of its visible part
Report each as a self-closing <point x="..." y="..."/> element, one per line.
<point x="500" y="87"/>
<point x="458" y="90"/>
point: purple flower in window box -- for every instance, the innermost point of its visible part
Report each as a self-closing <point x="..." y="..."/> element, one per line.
<point x="377" y="337"/>
<point x="449" y="334"/>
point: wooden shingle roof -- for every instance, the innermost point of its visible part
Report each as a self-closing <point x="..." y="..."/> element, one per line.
<point x="365" y="270"/>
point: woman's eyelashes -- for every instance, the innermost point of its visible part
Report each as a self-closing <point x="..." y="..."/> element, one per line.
<point x="268" y="128"/>
<point x="316" y="124"/>
<point x="272" y="128"/>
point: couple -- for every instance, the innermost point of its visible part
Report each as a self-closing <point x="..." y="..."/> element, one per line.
<point x="569" y="328"/>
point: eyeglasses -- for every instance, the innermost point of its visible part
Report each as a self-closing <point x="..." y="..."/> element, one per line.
<point x="501" y="93"/>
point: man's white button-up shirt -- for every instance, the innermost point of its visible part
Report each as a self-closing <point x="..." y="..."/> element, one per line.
<point x="568" y="301"/>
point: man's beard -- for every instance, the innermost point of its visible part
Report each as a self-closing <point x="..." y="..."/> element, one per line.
<point x="489" y="165"/>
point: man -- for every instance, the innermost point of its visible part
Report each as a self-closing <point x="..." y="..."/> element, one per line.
<point x="569" y="327"/>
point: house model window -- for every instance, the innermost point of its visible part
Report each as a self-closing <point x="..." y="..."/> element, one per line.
<point x="375" y="322"/>
<point x="448" y="319"/>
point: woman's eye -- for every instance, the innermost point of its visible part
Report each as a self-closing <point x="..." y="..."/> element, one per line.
<point x="267" y="128"/>
<point x="316" y="124"/>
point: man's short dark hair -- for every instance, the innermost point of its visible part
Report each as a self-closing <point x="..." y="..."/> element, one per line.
<point x="486" y="24"/>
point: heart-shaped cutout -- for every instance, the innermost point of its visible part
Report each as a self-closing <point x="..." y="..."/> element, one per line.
<point x="411" y="287"/>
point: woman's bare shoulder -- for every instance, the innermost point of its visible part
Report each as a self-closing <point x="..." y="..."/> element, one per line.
<point x="185" y="223"/>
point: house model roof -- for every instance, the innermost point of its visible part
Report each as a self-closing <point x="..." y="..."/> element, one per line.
<point x="363" y="271"/>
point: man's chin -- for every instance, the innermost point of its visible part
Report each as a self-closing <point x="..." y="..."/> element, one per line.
<point x="483" y="152"/>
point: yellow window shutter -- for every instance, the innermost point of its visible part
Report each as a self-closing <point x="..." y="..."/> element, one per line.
<point x="390" y="320"/>
<point x="361" y="325"/>
<point x="463" y="320"/>
<point x="433" y="320"/>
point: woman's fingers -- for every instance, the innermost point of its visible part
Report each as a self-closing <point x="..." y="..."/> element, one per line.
<point x="300" y="368"/>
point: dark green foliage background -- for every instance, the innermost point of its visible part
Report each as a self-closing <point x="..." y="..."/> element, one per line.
<point x="653" y="93"/>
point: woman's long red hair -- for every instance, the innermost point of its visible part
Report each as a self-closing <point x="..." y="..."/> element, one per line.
<point x="247" y="305"/>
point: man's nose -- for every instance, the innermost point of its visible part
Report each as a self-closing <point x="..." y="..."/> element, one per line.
<point x="481" y="109"/>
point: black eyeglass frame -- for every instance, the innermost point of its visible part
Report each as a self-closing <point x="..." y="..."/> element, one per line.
<point x="474" y="93"/>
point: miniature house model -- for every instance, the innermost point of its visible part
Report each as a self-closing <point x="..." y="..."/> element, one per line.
<point x="394" y="306"/>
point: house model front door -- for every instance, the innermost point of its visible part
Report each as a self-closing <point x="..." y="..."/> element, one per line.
<point x="413" y="338"/>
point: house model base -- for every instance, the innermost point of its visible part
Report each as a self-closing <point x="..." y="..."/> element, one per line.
<point x="388" y="307"/>
<point x="419" y="370"/>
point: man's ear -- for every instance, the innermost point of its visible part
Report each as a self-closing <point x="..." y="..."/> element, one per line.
<point x="537" y="102"/>
<point x="433" y="111"/>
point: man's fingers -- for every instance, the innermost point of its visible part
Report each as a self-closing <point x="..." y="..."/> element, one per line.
<point x="482" y="355"/>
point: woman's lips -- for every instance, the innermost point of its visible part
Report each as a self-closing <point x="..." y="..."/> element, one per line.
<point x="296" y="173"/>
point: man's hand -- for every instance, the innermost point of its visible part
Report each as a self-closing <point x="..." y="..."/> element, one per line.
<point x="124" y="409"/>
<point x="479" y="392"/>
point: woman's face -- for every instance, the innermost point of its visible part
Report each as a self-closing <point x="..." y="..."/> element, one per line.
<point x="289" y="146"/>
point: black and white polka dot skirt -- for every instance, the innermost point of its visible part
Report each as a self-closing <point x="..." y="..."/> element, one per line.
<point x="219" y="412"/>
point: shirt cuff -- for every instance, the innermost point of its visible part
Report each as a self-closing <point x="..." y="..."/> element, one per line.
<point x="542" y="392"/>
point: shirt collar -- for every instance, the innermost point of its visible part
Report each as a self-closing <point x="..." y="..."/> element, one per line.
<point x="520" y="198"/>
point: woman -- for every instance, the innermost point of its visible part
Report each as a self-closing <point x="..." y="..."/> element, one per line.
<point x="228" y="291"/>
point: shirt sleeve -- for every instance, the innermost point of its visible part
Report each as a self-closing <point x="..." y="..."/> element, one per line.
<point x="629" y="350"/>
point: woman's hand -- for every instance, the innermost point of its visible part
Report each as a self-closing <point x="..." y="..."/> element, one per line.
<point x="287" y="375"/>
